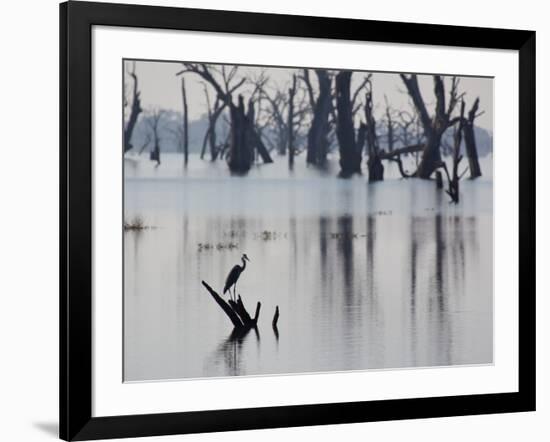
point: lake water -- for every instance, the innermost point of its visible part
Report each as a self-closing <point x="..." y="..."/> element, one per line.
<point x="366" y="276"/>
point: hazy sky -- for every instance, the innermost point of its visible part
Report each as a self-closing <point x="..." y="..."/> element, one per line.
<point x="160" y="88"/>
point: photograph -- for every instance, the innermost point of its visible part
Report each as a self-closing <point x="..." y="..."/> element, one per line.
<point x="287" y="220"/>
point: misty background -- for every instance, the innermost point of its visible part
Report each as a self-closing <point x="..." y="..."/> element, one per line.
<point x="159" y="87"/>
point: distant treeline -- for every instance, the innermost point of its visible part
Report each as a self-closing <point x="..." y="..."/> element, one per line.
<point x="171" y="141"/>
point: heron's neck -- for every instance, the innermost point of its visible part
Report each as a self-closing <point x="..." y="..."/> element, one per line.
<point x="244" y="263"/>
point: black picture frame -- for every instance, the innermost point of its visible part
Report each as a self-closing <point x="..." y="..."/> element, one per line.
<point x="76" y="21"/>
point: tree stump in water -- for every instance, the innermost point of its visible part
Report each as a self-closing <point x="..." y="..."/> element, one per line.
<point x="244" y="139"/>
<point x="439" y="179"/>
<point x="275" y="317"/>
<point x="274" y="322"/>
<point x="235" y="310"/>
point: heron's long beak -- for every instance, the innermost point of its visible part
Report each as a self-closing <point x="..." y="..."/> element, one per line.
<point x="248" y="259"/>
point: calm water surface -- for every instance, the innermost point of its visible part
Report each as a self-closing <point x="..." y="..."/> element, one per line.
<point x="386" y="275"/>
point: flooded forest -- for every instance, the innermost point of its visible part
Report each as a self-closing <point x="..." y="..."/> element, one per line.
<point x="296" y="220"/>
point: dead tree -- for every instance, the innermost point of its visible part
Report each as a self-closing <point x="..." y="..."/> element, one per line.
<point x="453" y="179"/>
<point x="317" y="137"/>
<point x="390" y="126"/>
<point x="284" y="116"/>
<point x="256" y="111"/>
<point x="410" y="132"/>
<point x="210" y="136"/>
<point x="392" y="153"/>
<point x="241" y="143"/>
<point x="406" y="124"/>
<point x="276" y="104"/>
<point x="276" y="120"/>
<point x="356" y="104"/>
<point x="135" y="110"/>
<point x="350" y="150"/>
<point x="235" y="311"/>
<point x="470" y="141"/>
<point x="290" y="124"/>
<point x="154" y="123"/>
<point x="401" y="130"/>
<point x="374" y="163"/>
<point x="244" y="137"/>
<point x="185" y="122"/>
<point x="435" y="126"/>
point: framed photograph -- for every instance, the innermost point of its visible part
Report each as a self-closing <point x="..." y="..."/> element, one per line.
<point x="273" y="220"/>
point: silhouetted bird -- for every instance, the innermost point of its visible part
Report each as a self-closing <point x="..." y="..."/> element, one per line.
<point x="233" y="277"/>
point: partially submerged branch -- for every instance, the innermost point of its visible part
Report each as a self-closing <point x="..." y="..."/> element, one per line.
<point x="401" y="150"/>
<point x="395" y="156"/>
<point x="228" y="310"/>
<point x="235" y="311"/>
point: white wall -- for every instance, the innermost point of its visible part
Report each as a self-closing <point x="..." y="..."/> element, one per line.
<point x="29" y="218"/>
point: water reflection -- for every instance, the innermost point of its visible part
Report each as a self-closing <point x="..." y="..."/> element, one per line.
<point x="229" y="351"/>
<point x="385" y="275"/>
<point x="345" y="238"/>
<point x="411" y="307"/>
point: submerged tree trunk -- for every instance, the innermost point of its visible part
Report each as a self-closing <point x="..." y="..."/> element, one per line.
<point x="154" y="123"/>
<point x="212" y="141"/>
<point x="240" y="147"/>
<point x="361" y="139"/>
<point x="374" y="163"/>
<point x="390" y="127"/>
<point x="210" y="136"/>
<point x="185" y="123"/>
<point x="155" y="153"/>
<point x="350" y="154"/>
<point x="317" y="137"/>
<point x="290" y="122"/>
<point x="454" y="179"/>
<point x="244" y="139"/>
<point x="431" y="155"/>
<point x="470" y="142"/>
